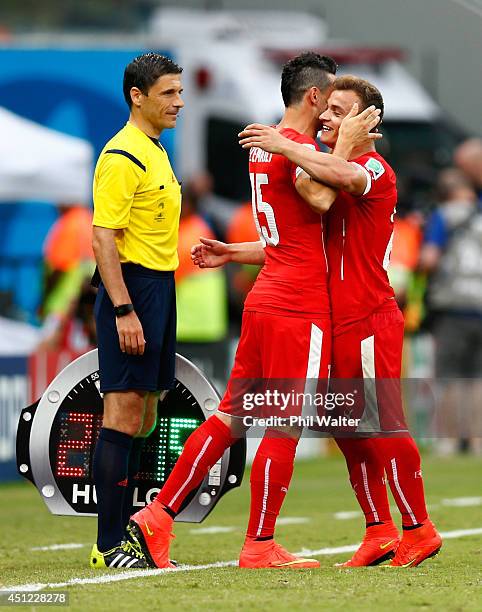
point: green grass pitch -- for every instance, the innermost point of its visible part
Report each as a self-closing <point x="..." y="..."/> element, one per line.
<point x="452" y="581"/>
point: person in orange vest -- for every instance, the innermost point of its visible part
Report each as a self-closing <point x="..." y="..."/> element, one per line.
<point x="242" y="229"/>
<point x="201" y="294"/>
<point x="69" y="263"/>
<point x="408" y="286"/>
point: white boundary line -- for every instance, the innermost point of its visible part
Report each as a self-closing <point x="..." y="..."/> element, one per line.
<point x="211" y="530"/>
<point x="117" y="577"/>
<point x="214" y="529"/>
<point x="58" y="547"/>
<point x="453" y="502"/>
<point x="462" y="502"/>
<point x="292" y="520"/>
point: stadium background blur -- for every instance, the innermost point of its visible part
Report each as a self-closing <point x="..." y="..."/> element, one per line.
<point x="61" y="65"/>
<point x="52" y="72"/>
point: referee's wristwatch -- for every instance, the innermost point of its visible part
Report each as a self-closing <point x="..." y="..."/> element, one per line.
<point x="123" y="310"/>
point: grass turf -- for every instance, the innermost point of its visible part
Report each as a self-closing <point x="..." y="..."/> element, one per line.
<point x="452" y="581"/>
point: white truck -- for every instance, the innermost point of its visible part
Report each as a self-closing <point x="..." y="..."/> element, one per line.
<point x="232" y="64"/>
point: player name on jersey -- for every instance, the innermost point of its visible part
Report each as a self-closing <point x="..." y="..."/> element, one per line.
<point x="258" y="155"/>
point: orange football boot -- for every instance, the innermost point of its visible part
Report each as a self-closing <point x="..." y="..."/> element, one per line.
<point x="153" y="534"/>
<point x="379" y="544"/>
<point x="268" y="554"/>
<point x="417" y="545"/>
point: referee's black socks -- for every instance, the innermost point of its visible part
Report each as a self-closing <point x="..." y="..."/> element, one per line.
<point x="132" y="471"/>
<point x="110" y="470"/>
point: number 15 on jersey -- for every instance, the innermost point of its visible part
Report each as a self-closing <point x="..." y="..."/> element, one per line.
<point x="268" y="232"/>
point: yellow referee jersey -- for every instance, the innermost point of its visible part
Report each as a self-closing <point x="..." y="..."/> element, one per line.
<point x="135" y="190"/>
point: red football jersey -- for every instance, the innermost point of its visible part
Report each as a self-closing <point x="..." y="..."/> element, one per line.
<point x="360" y="236"/>
<point x="292" y="281"/>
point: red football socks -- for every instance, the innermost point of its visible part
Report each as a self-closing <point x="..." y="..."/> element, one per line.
<point x="270" y="478"/>
<point x="403" y="467"/>
<point x="204" y="447"/>
<point x="367" y="477"/>
<point x="368" y="460"/>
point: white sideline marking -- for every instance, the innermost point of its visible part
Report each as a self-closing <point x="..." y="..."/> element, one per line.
<point x="462" y="502"/>
<point x="460" y="533"/>
<point x="59" y="547"/>
<point x="455" y="502"/>
<point x="292" y="520"/>
<point x="213" y="529"/>
<point x="285" y="520"/>
<point x="349" y="514"/>
<point x="117" y="577"/>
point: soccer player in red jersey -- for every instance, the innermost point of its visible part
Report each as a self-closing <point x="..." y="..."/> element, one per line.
<point x="367" y="329"/>
<point x="287" y="312"/>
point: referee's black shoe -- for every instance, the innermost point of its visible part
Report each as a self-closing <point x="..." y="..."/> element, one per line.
<point x="125" y="555"/>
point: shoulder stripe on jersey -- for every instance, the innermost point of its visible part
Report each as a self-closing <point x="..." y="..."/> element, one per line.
<point x="299" y="169"/>
<point x="157" y="143"/>
<point x="368" y="175"/>
<point x="129" y="156"/>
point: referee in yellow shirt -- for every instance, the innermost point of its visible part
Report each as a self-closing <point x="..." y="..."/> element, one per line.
<point x="137" y="201"/>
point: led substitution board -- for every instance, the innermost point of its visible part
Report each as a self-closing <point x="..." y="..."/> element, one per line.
<point x="56" y="439"/>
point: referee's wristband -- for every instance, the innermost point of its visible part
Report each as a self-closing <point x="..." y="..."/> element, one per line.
<point x="123" y="310"/>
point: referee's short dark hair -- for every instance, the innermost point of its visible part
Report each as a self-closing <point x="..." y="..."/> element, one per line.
<point x="305" y="71"/>
<point x="144" y="71"/>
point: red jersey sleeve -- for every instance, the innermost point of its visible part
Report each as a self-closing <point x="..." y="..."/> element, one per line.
<point x="295" y="170"/>
<point x="380" y="177"/>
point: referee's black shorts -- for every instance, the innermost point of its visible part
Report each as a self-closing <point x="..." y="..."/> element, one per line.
<point x="154" y="298"/>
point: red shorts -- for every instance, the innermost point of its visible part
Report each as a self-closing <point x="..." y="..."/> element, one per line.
<point x="367" y="361"/>
<point x="277" y="351"/>
<point x="371" y="348"/>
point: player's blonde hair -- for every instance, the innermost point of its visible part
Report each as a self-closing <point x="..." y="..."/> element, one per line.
<point x="367" y="92"/>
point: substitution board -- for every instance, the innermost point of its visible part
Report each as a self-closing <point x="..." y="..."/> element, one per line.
<point x="56" y="439"/>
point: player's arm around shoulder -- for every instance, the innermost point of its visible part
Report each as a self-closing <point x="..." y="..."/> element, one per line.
<point x="333" y="170"/>
<point x="318" y="196"/>
<point x="321" y="166"/>
<point x="330" y="169"/>
<point x="356" y="180"/>
<point x="375" y="177"/>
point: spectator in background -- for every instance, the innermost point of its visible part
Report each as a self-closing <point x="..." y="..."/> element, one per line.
<point x="242" y="229"/>
<point x="468" y="158"/>
<point x="68" y="297"/>
<point x="216" y="209"/>
<point x="407" y="239"/>
<point x="452" y="256"/>
<point x="201" y="295"/>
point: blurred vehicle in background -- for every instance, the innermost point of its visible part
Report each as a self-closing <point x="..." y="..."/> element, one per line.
<point x="231" y="63"/>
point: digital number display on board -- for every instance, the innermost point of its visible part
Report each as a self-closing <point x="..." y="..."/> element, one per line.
<point x="57" y="435"/>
